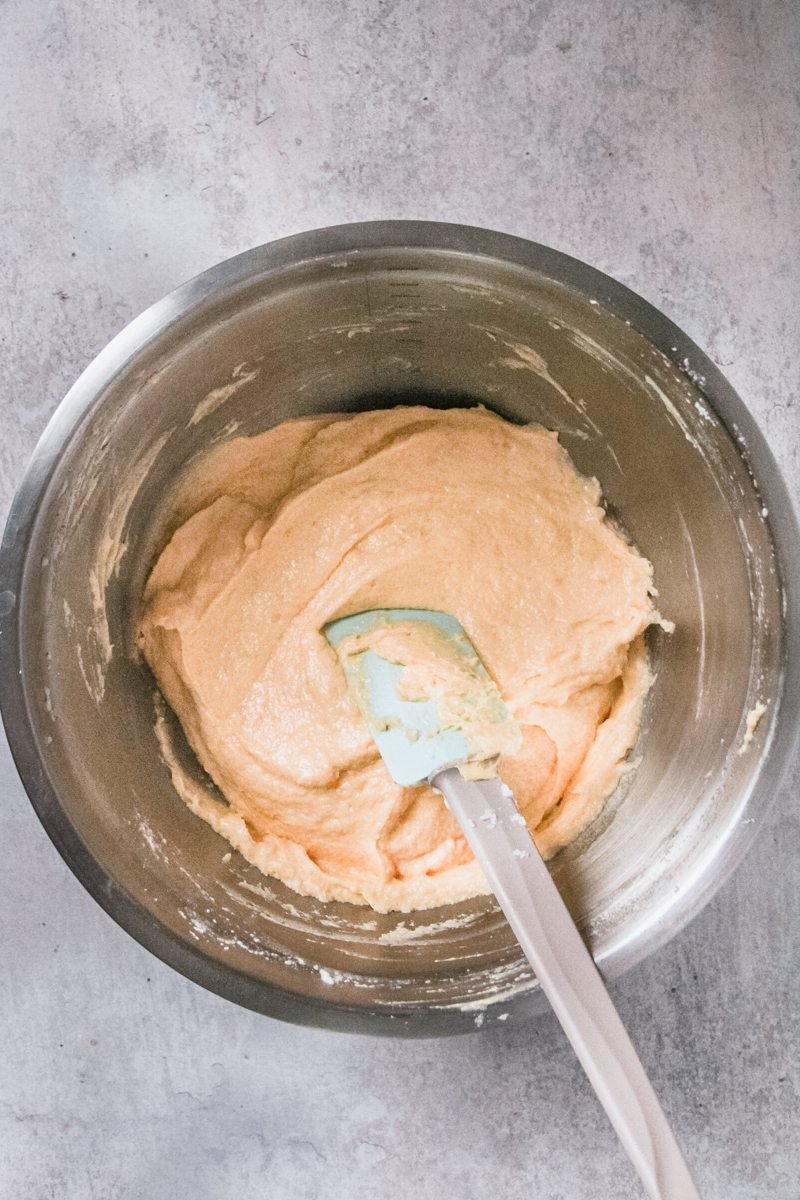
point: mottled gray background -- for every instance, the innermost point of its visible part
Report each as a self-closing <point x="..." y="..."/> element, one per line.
<point x="141" y="143"/>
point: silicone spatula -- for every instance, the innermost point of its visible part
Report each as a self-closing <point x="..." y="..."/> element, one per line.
<point x="438" y="718"/>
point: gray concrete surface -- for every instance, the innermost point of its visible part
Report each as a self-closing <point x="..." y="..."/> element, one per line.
<point x="142" y="142"/>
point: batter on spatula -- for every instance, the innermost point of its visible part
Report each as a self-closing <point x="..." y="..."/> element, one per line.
<point x="455" y="510"/>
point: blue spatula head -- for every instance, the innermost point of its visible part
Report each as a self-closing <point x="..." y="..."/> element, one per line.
<point x="427" y="699"/>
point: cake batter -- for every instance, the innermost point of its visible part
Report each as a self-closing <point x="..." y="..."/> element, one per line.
<point x="455" y="510"/>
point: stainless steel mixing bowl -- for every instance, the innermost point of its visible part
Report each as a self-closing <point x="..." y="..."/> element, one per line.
<point x="350" y="318"/>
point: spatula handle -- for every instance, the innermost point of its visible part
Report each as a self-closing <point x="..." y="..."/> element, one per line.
<point x="564" y="967"/>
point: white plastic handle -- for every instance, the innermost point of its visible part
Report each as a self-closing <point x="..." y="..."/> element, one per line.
<point x="564" y="967"/>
